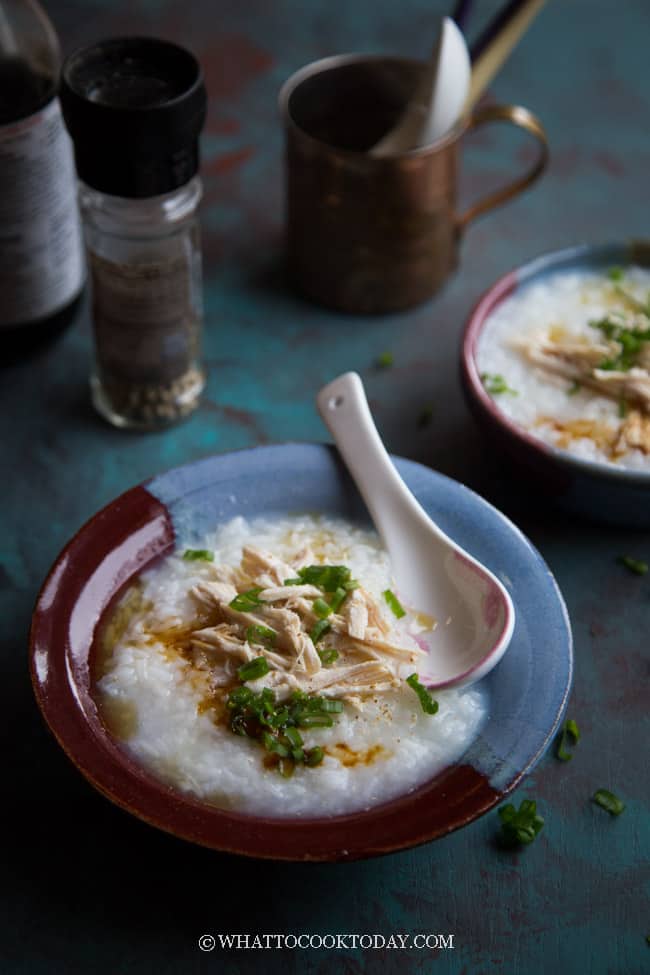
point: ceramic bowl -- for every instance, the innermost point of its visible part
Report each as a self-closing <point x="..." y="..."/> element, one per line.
<point x="527" y="691"/>
<point x="600" y="491"/>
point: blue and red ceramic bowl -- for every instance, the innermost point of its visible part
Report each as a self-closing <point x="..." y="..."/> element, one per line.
<point x="600" y="491"/>
<point x="526" y="692"/>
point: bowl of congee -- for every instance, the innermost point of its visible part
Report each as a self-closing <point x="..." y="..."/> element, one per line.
<point x="556" y="368"/>
<point x="224" y="652"/>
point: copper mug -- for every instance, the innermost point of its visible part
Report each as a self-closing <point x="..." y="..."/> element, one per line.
<point x="367" y="234"/>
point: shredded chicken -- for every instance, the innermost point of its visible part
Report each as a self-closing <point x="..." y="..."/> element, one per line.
<point x="278" y="625"/>
<point x="634" y="433"/>
<point x="580" y="361"/>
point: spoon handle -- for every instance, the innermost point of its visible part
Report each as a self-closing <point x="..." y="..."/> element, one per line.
<point x="344" y="409"/>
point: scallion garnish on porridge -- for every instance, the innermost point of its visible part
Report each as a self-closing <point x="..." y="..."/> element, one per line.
<point x="429" y="706"/>
<point x="198" y="555"/>
<point x="281" y="655"/>
<point x="394" y="604"/>
<point x="576" y="345"/>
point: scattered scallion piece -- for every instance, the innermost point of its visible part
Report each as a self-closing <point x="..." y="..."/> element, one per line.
<point x="246" y="601"/>
<point x="294" y="736"/>
<point x="574" y="388"/>
<point x="314" y="756"/>
<point x="425" y="416"/>
<point x="318" y="629"/>
<point x="385" y="360"/>
<point x="520" y="825"/>
<point x="615" y="274"/>
<point x="429" y="706"/>
<point x="253" y="669"/>
<point x="273" y="744"/>
<point x="636" y="566"/>
<point x="622" y="408"/>
<point x="321" y="608"/>
<point x="328" y="656"/>
<point x="394" y="604"/>
<point x="607" y="800"/>
<point x="198" y="555"/>
<point x="496" y="384"/>
<point x="261" y="634"/>
<point x="326" y="577"/>
<point x="569" y="731"/>
<point x="337" y="599"/>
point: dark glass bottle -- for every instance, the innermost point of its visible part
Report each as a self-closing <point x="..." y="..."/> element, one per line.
<point x="41" y="253"/>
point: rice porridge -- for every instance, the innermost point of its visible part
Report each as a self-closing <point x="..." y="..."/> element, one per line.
<point x="568" y="359"/>
<point x="271" y="669"/>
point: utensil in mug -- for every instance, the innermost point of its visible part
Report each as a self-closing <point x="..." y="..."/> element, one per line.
<point x="376" y="235"/>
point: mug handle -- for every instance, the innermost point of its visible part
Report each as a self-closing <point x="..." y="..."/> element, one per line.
<point x="519" y="116"/>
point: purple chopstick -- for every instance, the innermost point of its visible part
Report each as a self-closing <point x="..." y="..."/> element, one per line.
<point x="461" y="12"/>
<point x="494" y="27"/>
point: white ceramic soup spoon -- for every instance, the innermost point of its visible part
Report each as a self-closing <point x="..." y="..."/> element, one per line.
<point x="437" y="103"/>
<point x="433" y="576"/>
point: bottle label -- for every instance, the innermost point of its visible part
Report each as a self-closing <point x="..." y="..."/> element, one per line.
<point x="146" y="316"/>
<point x="41" y="250"/>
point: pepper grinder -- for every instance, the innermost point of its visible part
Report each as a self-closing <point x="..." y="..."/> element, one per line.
<point x="134" y="108"/>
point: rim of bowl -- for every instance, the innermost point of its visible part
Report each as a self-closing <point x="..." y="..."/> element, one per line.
<point x="585" y="256"/>
<point x="93" y="750"/>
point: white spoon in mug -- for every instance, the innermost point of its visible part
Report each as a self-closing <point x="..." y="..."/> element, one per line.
<point x="433" y="575"/>
<point x="437" y="102"/>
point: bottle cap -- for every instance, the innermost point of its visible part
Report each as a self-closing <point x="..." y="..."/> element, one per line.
<point x="134" y="108"/>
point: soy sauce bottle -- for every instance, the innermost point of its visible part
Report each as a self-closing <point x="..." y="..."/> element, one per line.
<point x="41" y="253"/>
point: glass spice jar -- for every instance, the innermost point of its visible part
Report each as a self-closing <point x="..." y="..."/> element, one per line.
<point x="134" y="108"/>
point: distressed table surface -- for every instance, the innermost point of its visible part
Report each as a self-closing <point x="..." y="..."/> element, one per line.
<point x="89" y="888"/>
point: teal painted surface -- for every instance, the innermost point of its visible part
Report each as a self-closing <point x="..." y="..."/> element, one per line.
<point x="88" y="889"/>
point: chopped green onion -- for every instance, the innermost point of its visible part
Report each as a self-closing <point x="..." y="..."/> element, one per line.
<point x="385" y="360"/>
<point x="615" y="274"/>
<point x="321" y="608"/>
<point x="254" y="669"/>
<point x="260" y="634"/>
<point x="258" y="716"/>
<point x="569" y="730"/>
<point x="496" y="384"/>
<point x="330" y="704"/>
<point x="520" y="825"/>
<point x="318" y="629"/>
<point x="574" y="388"/>
<point x="272" y="744"/>
<point x="198" y="555"/>
<point x="328" y="656"/>
<point x="394" y="604"/>
<point x="629" y="340"/>
<point x="425" y="416"/>
<point x="337" y="599"/>
<point x="294" y="736"/>
<point x="607" y="800"/>
<point x="327" y="577"/>
<point x="622" y="408"/>
<point x="633" y="565"/>
<point x="246" y="601"/>
<point x="314" y="721"/>
<point x="314" y="756"/>
<point x="429" y="706"/>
